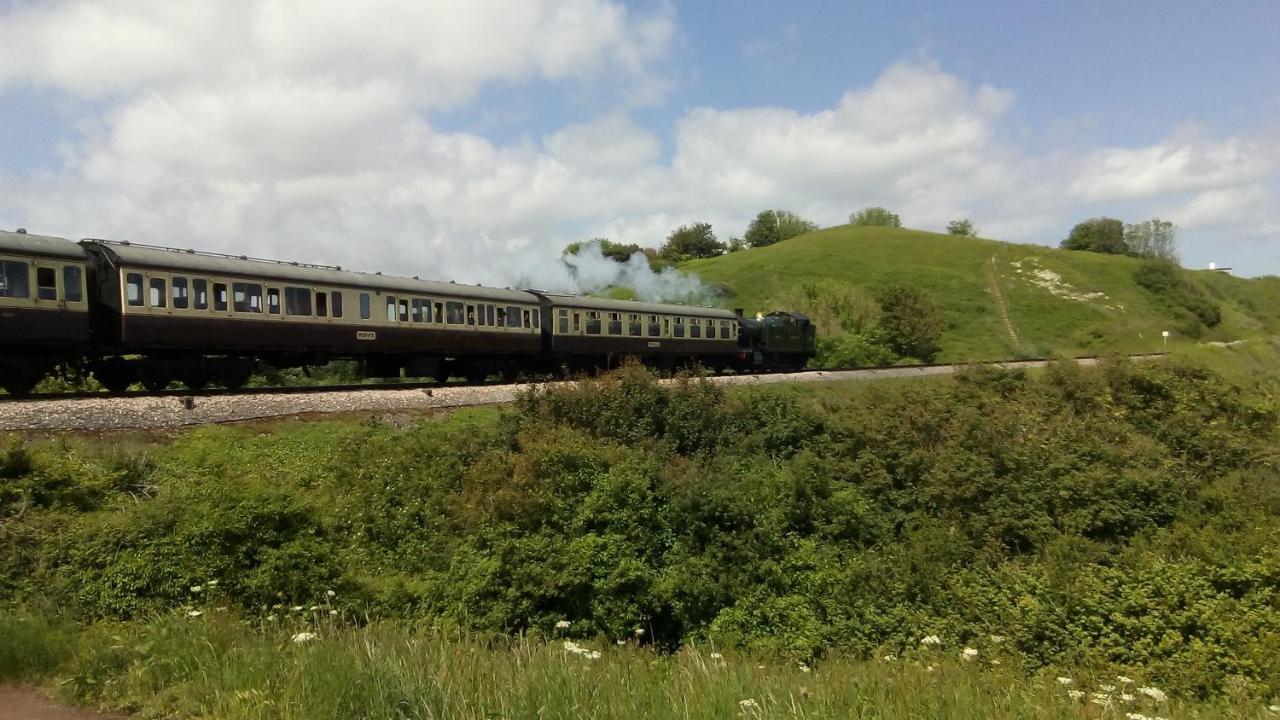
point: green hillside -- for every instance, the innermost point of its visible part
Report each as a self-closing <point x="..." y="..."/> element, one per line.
<point x="1057" y="301"/>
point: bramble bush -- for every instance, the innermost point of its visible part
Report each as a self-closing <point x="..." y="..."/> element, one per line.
<point x="1122" y="516"/>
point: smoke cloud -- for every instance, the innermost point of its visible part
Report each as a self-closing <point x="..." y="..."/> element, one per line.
<point x="589" y="271"/>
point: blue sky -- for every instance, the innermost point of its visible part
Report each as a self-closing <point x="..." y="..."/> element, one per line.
<point x="437" y="136"/>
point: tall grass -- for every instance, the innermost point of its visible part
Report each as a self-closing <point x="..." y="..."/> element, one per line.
<point x="219" y="665"/>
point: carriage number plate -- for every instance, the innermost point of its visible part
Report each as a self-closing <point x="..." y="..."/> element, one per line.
<point x="366" y="335"/>
<point x="654" y="344"/>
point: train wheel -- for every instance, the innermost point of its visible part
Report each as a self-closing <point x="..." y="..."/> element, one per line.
<point x="235" y="375"/>
<point x="19" y="384"/>
<point x="194" y="379"/>
<point x="115" y="376"/>
<point x="476" y="374"/>
<point x="155" y="379"/>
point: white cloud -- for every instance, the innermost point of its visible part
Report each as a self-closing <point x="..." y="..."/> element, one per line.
<point x="230" y="126"/>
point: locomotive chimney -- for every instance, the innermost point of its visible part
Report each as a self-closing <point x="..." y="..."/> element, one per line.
<point x="737" y="311"/>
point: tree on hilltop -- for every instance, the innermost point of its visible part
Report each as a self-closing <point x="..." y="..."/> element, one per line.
<point x="691" y="241"/>
<point x="614" y="251"/>
<point x="877" y="216"/>
<point x="1100" y="235"/>
<point x="1154" y="238"/>
<point x="771" y="226"/>
<point x="962" y="227"/>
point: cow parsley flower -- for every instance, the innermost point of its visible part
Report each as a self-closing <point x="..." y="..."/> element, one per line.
<point x="303" y="637"/>
<point x="1136" y="716"/>
<point x="212" y="583"/>
<point x="563" y="624"/>
<point x="1127" y="697"/>
<point x="330" y="593"/>
<point x="194" y="613"/>
<point x="997" y="639"/>
<point x="1123" y="680"/>
<point x="1107" y="688"/>
<point x="1075" y="694"/>
<point x="749" y="704"/>
<point x="271" y="618"/>
<point x="1153" y="693"/>
<point x="196" y="588"/>
<point x="333" y="613"/>
<point x="968" y="654"/>
<point x="889" y="658"/>
<point x="931" y="641"/>
<point x="717" y="656"/>
<point x="1065" y="681"/>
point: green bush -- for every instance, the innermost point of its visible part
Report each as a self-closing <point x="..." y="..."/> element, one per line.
<point x="1123" y="516"/>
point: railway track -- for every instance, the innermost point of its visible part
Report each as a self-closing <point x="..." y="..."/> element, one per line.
<point x="99" y="411"/>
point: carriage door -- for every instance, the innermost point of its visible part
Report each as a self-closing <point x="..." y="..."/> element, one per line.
<point x="46" y="294"/>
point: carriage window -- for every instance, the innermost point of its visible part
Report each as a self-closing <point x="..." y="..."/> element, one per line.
<point x="634" y="327"/>
<point x="654" y="330"/>
<point x="491" y="313"/>
<point x="678" y="330"/>
<point x="273" y="301"/>
<point x="577" y="322"/>
<point x="404" y="311"/>
<point x="47" y="283"/>
<point x="593" y="322"/>
<point x="335" y="303"/>
<point x="695" y="328"/>
<point x="297" y="301"/>
<point x="536" y="318"/>
<point x="528" y="318"/>
<point x="132" y="289"/>
<point x="158" y="300"/>
<point x="480" y="319"/>
<point x="416" y="315"/>
<point x="220" y="297"/>
<point x="178" y="288"/>
<point x="471" y="314"/>
<point x="200" y="289"/>
<point x="14" y="280"/>
<point x="564" y="321"/>
<point x="365" y="312"/>
<point x="391" y="308"/>
<point x="454" y="312"/>
<point x="71" y="283"/>
<point x="246" y="297"/>
<point x="724" y="329"/>
<point x="615" y="323"/>
<point x="502" y="317"/>
<point x="322" y="304"/>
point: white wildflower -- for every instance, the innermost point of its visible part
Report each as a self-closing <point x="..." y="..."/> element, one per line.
<point x="931" y="641"/>
<point x="330" y="593"/>
<point x="194" y="613"/>
<point x="592" y="655"/>
<point x="1126" y="697"/>
<point x="271" y="618"/>
<point x="995" y="662"/>
<point x="297" y="608"/>
<point x="639" y="631"/>
<point x="968" y="654"/>
<point x="1075" y="694"/>
<point x="563" y="624"/>
<point x="196" y="588"/>
<point x="890" y="658"/>
<point x="1153" y="693"/>
<point x="1065" y="681"/>
<point x="929" y="669"/>
<point x="333" y="613"/>
<point x="805" y="668"/>
<point x="1100" y="698"/>
<point x="1136" y="716"/>
<point x="621" y="643"/>
<point x="717" y="656"/>
<point x="1123" y="680"/>
<point x="1107" y="688"/>
<point x="212" y="583"/>
<point x="315" y="608"/>
<point x="1274" y="708"/>
<point x="997" y="639"/>
<point x="304" y="637"/>
<point x="748" y="704"/>
<point x="572" y="647"/>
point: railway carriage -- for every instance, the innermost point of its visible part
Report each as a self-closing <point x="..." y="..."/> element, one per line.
<point x="586" y="331"/>
<point x="196" y="316"/>
<point x="44" y="310"/>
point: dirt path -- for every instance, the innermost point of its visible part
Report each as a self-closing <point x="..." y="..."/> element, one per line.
<point x="26" y="703"/>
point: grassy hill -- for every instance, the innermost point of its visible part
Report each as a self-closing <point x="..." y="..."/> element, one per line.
<point x="1055" y="301"/>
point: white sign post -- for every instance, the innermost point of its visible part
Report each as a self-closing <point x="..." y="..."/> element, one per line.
<point x="1165" y="334"/>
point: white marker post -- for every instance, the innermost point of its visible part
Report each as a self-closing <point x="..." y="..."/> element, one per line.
<point x="1165" y="334"/>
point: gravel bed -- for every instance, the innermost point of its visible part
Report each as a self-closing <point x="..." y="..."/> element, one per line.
<point x="170" y="412"/>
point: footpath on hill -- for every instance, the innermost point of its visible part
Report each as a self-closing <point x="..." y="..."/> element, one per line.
<point x="26" y="703"/>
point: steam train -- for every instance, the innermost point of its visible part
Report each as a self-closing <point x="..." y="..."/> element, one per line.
<point x="131" y="313"/>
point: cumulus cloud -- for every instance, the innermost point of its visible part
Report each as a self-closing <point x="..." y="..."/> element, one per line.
<point x="226" y="125"/>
